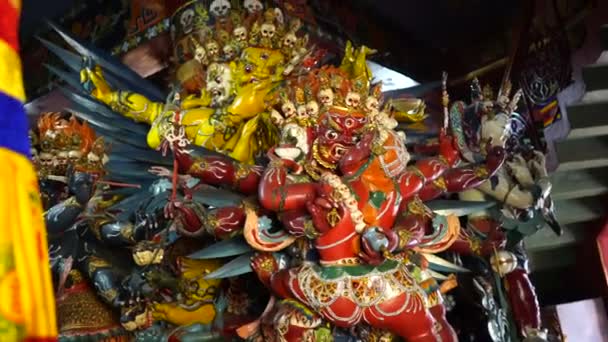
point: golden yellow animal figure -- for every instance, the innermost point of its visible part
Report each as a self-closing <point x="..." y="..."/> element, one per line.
<point x="199" y="295"/>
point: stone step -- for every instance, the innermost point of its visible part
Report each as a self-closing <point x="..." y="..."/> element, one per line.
<point x="546" y="239"/>
<point x="579" y="210"/>
<point x="589" y="117"/>
<point x="585" y="153"/>
<point x="581" y="183"/>
<point x="596" y="76"/>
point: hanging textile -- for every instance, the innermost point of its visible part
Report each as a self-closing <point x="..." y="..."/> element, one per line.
<point x="27" y="309"/>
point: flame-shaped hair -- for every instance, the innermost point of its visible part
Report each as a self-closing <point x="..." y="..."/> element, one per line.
<point x="69" y="130"/>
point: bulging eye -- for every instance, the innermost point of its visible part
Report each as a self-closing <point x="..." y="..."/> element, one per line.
<point x="349" y="122"/>
<point x="331" y="135"/>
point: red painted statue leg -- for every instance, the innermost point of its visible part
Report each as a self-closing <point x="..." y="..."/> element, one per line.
<point x="447" y="333"/>
<point x="524" y="303"/>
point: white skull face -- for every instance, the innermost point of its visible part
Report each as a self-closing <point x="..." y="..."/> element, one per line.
<point x="326" y="96"/>
<point x="288" y="109"/>
<point x="229" y="52"/>
<point x="213" y="49"/>
<point x="74" y="155"/>
<point x="268" y="30"/>
<point x="186" y="20"/>
<point x="92" y="157"/>
<point x="353" y="100"/>
<point x="62" y="158"/>
<point x="495" y="130"/>
<point x="253" y="6"/>
<point x="289" y="41"/>
<point x="372" y="104"/>
<point x="199" y="54"/>
<point x="218" y="83"/>
<point x="46" y="158"/>
<point x="219" y="8"/>
<point x="301" y="111"/>
<point x="312" y="109"/>
<point x="240" y="34"/>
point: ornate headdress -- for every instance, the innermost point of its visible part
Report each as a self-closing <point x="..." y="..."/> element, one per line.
<point x="58" y="134"/>
<point x="217" y="24"/>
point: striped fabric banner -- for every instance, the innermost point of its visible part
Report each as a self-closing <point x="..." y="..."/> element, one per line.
<point x="27" y="305"/>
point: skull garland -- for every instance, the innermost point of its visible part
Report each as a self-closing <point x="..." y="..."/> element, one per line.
<point x="239" y="34"/>
<point x="187" y="20"/>
<point x="213" y="50"/>
<point x="229" y="52"/>
<point x="200" y="55"/>
<point x="312" y="109"/>
<point x="326" y="97"/>
<point x="289" y="43"/>
<point x="288" y="109"/>
<point x="219" y="8"/>
<point x="253" y="6"/>
<point x="353" y="100"/>
<point x="267" y="30"/>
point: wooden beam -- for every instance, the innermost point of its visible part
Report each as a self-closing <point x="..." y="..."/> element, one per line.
<point x="582" y="153"/>
<point x="581" y="183"/>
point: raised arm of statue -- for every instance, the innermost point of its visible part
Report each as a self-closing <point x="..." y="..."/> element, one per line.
<point x="132" y="105"/>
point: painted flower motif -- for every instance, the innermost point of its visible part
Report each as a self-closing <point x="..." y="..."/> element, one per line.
<point x="264" y="223"/>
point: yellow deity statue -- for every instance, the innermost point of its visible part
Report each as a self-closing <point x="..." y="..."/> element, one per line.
<point x="241" y="69"/>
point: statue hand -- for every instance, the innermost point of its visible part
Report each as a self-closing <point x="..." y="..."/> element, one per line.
<point x="375" y="242"/>
<point x="160" y="171"/>
<point x="264" y="265"/>
<point x="92" y="80"/>
<point x="519" y="169"/>
<point x="538" y="165"/>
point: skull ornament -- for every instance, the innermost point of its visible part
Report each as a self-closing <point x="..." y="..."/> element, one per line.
<point x="289" y="42"/>
<point x="312" y="109"/>
<point x="353" y="100"/>
<point x="212" y="49"/>
<point x="229" y="52"/>
<point x="46" y="159"/>
<point x="187" y="20"/>
<point x="219" y="8"/>
<point x="372" y="104"/>
<point x="253" y="6"/>
<point x="301" y="111"/>
<point x="288" y="109"/>
<point x="200" y="54"/>
<point x="240" y="33"/>
<point x="326" y="97"/>
<point x="268" y="30"/>
<point x="74" y="156"/>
